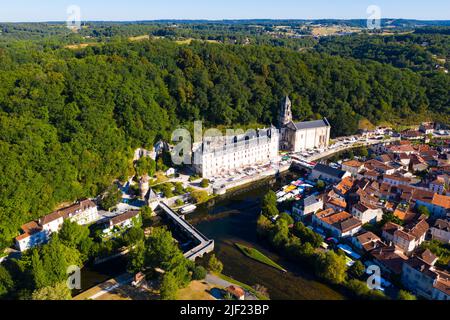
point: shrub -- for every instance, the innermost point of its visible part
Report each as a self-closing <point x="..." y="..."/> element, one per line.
<point x="199" y="273"/>
<point x="204" y="183"/>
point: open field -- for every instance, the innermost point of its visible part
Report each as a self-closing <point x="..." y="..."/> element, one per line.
<point x="197" y="290"/>
<point x="258" y="256"/>
<point x="80" y="46"/>
<point x="139" y="38"/>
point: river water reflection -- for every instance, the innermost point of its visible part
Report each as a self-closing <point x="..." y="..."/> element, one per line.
<point x="232" y="218"/>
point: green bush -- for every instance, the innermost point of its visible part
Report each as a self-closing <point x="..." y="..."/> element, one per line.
<point x="199" y="273"/>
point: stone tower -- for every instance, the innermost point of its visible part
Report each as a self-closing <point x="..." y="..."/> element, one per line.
<point x="286" y="113"/>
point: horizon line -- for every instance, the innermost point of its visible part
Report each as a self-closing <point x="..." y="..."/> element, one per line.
<point x="231" y="19"/>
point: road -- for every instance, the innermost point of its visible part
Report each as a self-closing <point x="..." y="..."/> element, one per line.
<point x="105" y="287"/>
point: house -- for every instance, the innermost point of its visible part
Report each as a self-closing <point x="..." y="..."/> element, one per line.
<point x="52" y="222"/>
<point x="404" y="214"/>
<point x="38" y="232"/>
<point x="411" y="135"/>
<point x="437" y="186"/>
<point x="366" y="213"/>
<point x="83" y="212"/>
<point x="341" y="224"/>
<point x="343" y="187"/>
<point x="338" y="204"/>
<point x="438" y="205"/>
<point x="417" y="163"/>
<point x="307" y="206"/>
<point x="385" y="158"/>
<point x="406" y="239"/>
<point x="390" y="259"/>
<point x="328" y="174"/>
<point x="378" y="166"/>
<point x="426" y="128"/>
<point x="122" y="221"/>
<point x="32" y="235"/>
<point x="369" y="174"/>
<point x="441" y="230"/>
<point x="237" y="292"/>
<point x="425" y="280"/>
<point x="396" y="179"/>
<point x="402" y="148"/>
<point x="428" y="256"/>
<point x="404" y="159"/>
<point x="367" y="241"/>
<point x="352" y="166"/>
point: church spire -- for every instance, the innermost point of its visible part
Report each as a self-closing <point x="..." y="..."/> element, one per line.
<point x="286" y="112"/>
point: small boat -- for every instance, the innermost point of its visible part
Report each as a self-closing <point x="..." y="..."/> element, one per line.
<point x="188" y="209"/>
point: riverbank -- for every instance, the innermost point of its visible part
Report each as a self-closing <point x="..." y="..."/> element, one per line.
<point x="231" y="219"/>
<point x="254" y="254"/>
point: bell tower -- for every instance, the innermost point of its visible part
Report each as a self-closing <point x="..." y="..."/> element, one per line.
<point x="286" y="113"/>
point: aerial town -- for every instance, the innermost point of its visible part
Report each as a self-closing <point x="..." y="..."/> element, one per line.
<point x="225" y="159"/>
<point x="388" y="206"/>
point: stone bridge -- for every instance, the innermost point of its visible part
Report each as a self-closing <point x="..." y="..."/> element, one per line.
<point x="206" y="245"/>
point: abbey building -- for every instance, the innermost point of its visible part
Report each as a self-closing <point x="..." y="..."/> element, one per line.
<point x="215" y="156"/>
<point x="301" y="136"/>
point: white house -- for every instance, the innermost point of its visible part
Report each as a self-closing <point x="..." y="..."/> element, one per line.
<point x="353" y="166"/>
<point x="84" y="212"/>
<point x="307" y="206"/>
<point x="38" y="232"/>
<point x="121" y="222"/>
<point x="367" y="214"/>
<point x="341" y="224"/>
<point x="35" y="233"/>
<point x="441" y="231"/>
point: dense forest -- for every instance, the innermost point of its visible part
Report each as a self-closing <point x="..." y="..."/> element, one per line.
<point x="418" y="51"/>
<point x="70" y="118"/>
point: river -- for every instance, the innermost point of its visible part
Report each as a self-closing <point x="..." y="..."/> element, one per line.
<point x="232" y="218"/>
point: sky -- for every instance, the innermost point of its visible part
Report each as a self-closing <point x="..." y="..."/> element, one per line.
<point x="128" y="10"/>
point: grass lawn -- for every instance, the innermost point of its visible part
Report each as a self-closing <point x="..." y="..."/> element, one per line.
<point x="197" y="290"/>
<point x="258" y="256"/>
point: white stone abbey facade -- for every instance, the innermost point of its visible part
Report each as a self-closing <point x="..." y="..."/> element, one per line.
<point x="217" y="155"/>
<point x="302" y="136"/>
<point x="224" y="154"/>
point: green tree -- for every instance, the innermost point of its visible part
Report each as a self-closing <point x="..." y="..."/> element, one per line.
<point x="204" y="183"/>
<point x="133" y="236"/>
<point x="332" y="267"/>
<point x="306" y="235"/>
<point x="214" y="264"/>
<point x="76" y="236"/>
<point x="6" y="282"/>
<point x="169" y="287"/>
<point x="145" y="166"/>
<point x="60" y="291"/>
<point x="136" y="257"/>
<point x="199" y="196"/>
<point x="357" y="269"/>
<point x="285" y="216"/>
<point x="162" y="252"/>
<point x="422" y="210"/>
<point x="405" y="295"/>
<point x="110" y="198"/>
<point x="199" y="273"/>
<point x="320" y="185"/>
